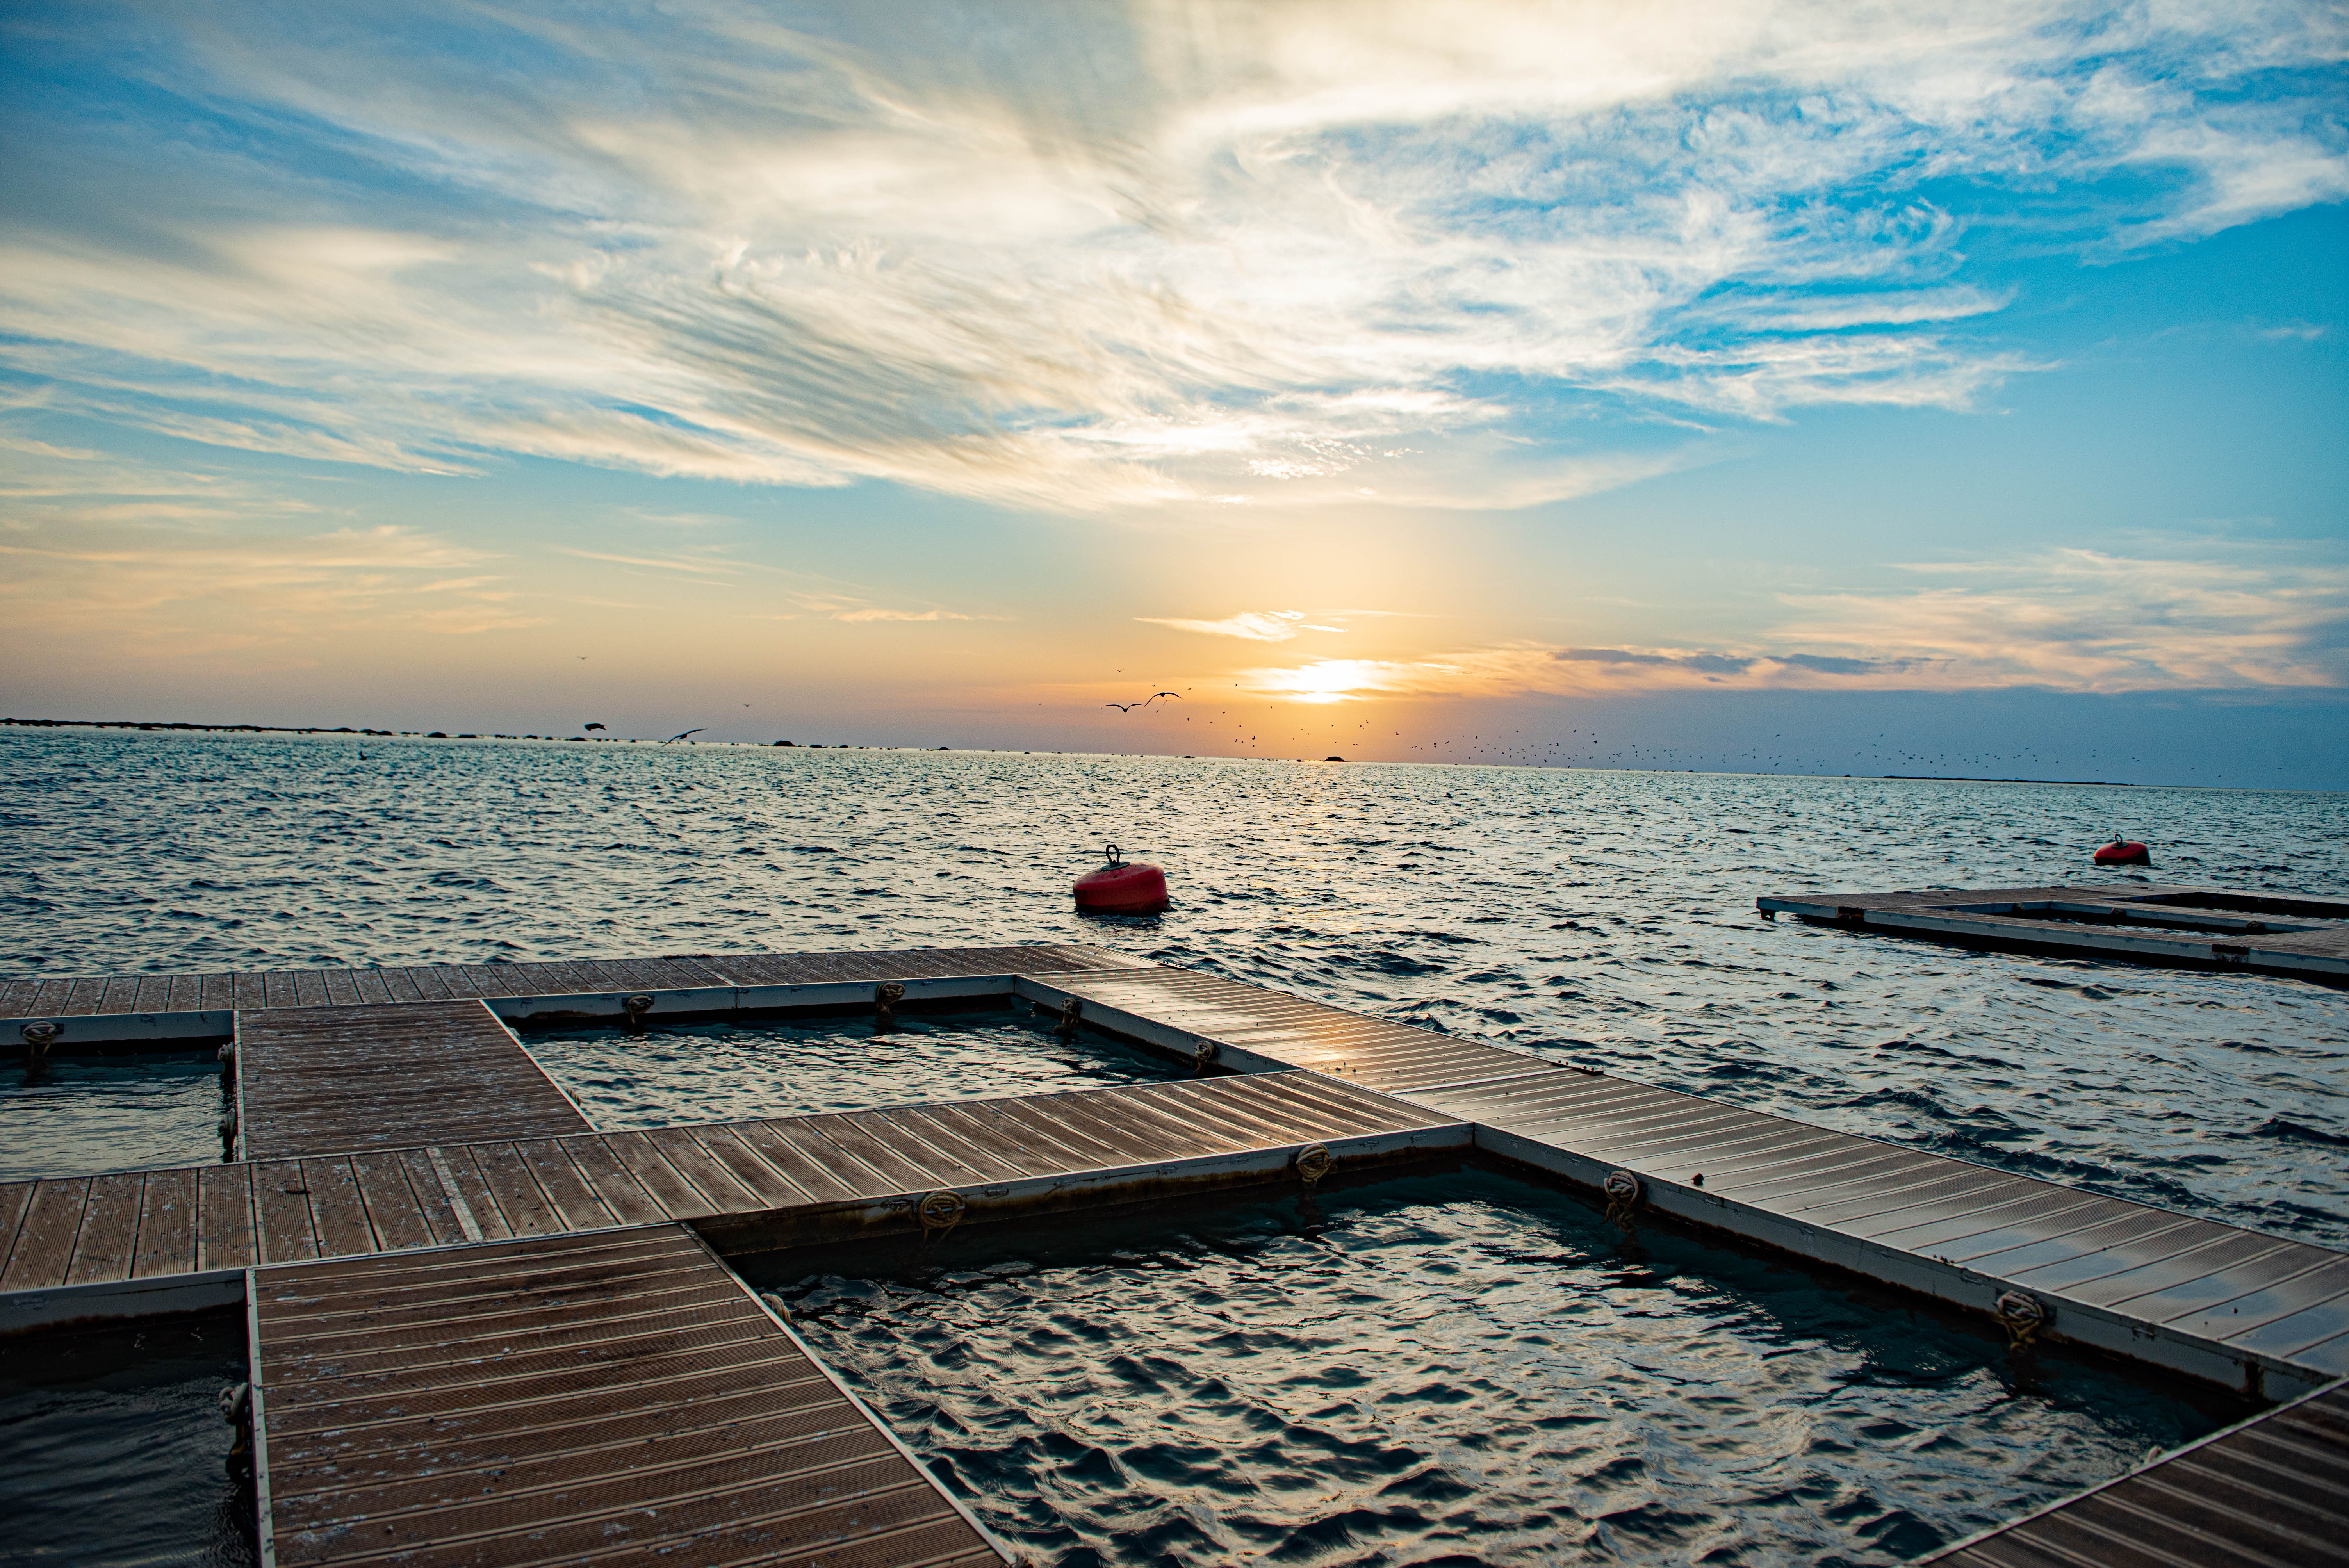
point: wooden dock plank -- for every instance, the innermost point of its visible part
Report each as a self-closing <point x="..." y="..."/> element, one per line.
<point x="614" y="1445"/>
<point x="16" y="1200"/>
<point x="646" y="1165"/>
<point x="281" y="1202"/>
<point x="327" y="1080"/>
<point x="107" y="1239"/>
<point x="227" y="1234"/>
<point x="619" y="1191"/>
<point x="167" y="1225"/>
<point x="575" y="1204"/>
<point x="337" y="1211"/>
<point x="2273" y="1490"/>
<point x="45" y="1244"/>
<point x="394" y="1213"/>
<point x="433" y="1198"/>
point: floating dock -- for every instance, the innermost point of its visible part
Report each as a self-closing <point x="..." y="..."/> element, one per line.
<point x="398" y="1177"/>
<point x="2201" y="928"/>
<point x="615" y="1398"/>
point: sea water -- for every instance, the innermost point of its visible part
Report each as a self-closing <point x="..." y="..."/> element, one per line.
<point x="1600" y="917"/>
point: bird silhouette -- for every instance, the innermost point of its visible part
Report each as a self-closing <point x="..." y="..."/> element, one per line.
<point x="1145" y="702"/>
<point x="592" y="727"/>
<point x="682" y="734"/>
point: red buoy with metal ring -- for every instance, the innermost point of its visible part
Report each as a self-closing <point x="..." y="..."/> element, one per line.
<point x="2123" y="852"/>
<point x="1122" y="887"/>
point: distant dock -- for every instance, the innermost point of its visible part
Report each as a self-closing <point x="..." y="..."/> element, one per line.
<point x="479" y="1324"/>
<point x="2202" y="927"/>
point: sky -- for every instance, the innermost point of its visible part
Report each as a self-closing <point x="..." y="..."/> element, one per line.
<point x="1935" y="389"/>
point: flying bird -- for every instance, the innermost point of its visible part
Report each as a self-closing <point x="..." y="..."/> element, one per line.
<point x="1145" y="702"/>
<point x="682" y="734"/>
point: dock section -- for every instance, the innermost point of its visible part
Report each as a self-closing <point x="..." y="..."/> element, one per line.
<point x="613" y="1398"/>
<point x="318" y="1080"/>
<point x="157" y="1010"/>
<point x="141" y="1241"/>
<point x="2267" y="1492"/>
<point x="2233" y="1306"/>
<point x="2215" y="928"/>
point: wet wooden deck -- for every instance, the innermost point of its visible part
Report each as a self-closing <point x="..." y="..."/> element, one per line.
<point x="2215" y="928"/>
<point x="2172" y="1290"/>
<point x="614" y="1398"/>
<point x="746" y="1184"/>
<point x="2230" y="1305"/>
<point x="134" y="1007"/>
<point x="2269" y="1492"/>
<point x="320" y="1080"/>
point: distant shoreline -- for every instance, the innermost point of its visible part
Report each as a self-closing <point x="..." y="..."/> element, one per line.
<point x="137" y="724"/>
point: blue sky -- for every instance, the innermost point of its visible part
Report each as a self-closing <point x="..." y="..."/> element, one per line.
<point x="1941" y="383"/>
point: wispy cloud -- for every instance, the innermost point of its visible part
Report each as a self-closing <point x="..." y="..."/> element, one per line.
<point x="1308" y="255"/>
<point x="2073" y="620"/>
<point x="1255" y="625"/>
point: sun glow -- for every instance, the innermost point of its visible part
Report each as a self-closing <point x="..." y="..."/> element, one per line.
<point x="1331" y="680"/>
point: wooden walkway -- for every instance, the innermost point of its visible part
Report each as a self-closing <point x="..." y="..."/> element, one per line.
<point x="2206" y="927"/>
<point x="131" y="1007"/>
<point x="2273" y="1490"/>
<point x="746" y="1184"/>
<point x="2230" y="1305"/>
<point x="615" y="1398"/>
<point x="318" y="1080"/>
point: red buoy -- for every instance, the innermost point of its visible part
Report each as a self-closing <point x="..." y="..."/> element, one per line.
<point x="2123" y="852"/>
<point x="1122" y="887"/>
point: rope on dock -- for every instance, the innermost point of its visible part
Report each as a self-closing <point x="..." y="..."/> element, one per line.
<point x="1070" y="1011"/>
<point x="1203" y="1057"/>
<point x="776" y="1305"/>
<point x="2022" y="1315"/>
<point x="886" y="997"/>
<point x="1312" y="1163"/>
<point x="236" y="1411"/>
<point x="637" y="1007"/>
<point x="940" y="1212"/>
<point x="38" y="1038"/>
<point x="1623" y="1193"/>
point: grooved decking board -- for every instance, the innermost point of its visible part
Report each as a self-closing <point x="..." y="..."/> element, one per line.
<point x="1966" y="1230"/>
<point x="314" y="1080"/>
<point x="96" y="1229"/>
<point x="254" y="991"/>
<point x="2273" y="1490"/>
<point x="2296" y="933"/>
<point x="617" y="1398"/>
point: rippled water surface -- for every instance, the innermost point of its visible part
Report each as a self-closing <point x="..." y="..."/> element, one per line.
<point x="727" y="1072"/>
<point x="72" y="1116"/>
<point x="112" y="1448"/>
<point x="1446" y="1367"/>
<point x="1603" y="916"/>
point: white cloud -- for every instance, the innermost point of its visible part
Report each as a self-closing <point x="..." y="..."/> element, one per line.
<point x="2072" y="620"/>
<point x="1255" y="625"/>
<point x="1314" y="254"/>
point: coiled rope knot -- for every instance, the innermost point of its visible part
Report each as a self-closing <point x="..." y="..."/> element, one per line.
<point x="637" y="1006"/>
<point x="886" y="997"/>
<point x="1623" y="1192"/>
<point x="2023" y="1316"/>
<point x="1312" y="1163"/>
<point x="1201" y="1057"/>
<point x="776" y="1305"/>
<point x="1070" y="1013"/>
<point x="38" y="1037"/>
<point x="236" y="1410"/>
<point x="228" y="1134"/>
<point x="940" y="1212"/>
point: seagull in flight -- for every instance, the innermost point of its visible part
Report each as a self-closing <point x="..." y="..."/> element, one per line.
<point x="1145" y="702"/>
<point x="682" y="734"/>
